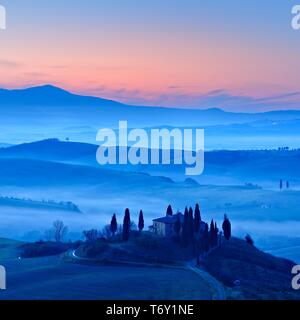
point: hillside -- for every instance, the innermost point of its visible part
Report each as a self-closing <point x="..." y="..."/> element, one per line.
<point x="49" y="95"/>
<point x="142" y="248"/>
<point x="38" y="204"/>
<point x="262" y="276"/>
<point x="27" y="172"/>
<point x="9" y="249"/>
<point x="221" y="167"/>
<point x="50" y="278"/>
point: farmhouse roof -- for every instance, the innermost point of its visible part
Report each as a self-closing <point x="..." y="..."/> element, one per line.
<point x="170" y="219"/>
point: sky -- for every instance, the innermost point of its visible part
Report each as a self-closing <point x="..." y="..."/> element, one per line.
<point x="238" y="55"/>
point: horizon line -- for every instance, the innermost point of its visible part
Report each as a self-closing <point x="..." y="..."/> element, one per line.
<point x="174" y="107"/>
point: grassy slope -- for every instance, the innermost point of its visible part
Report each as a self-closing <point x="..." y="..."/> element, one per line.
<point x="143" y="247"/>
<point x="262" y="276"/>
<point x="9" y="249"/>
<point x="51" y="278"/>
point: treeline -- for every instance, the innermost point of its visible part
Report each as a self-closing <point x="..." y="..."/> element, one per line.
<point x="191" y="232"/>
<point x="194" y="232"/>
<point x="114" y="228"/>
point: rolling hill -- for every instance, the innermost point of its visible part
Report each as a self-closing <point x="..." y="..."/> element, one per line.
<point x="221" y="167"/>
<point x="27" y="172"/>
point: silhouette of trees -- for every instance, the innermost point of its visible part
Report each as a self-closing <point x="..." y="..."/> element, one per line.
<point x="113" y="225"/>
<point x="185" y="229"/>
<point x="190" y="225"/>
<point x="187" y="233"/>
<point x="216" y="235"/>
<point x="105" y="232"/>
<point x="197" y="219"/>
<point x="249" y="240"/>
<point x="226" y="228"/>
<point x="141" y="221"/>
<point x="287" y="184"/>
<point x="169" y="210"/>
<point x="281" y="184"/>
<point x="91" y="235"/>
<point x="126" y="225"/>
<point x="206" y="239"/>
<point x="177" y="226"/>
<point x="212" y="234"/>
<point x="59" y="230"/>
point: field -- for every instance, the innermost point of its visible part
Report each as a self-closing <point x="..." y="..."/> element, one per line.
<point x="51" y="278"/>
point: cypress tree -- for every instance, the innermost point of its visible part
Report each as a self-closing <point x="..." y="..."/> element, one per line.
<point x="113" y="224"/>
<point x="216" y="234"/>
<point x="126" y="225"/>
<point x="226" y="228"/>
<point x="206" y="239"/>
<point x="212" y="234"/>
<point x="185" y="229"/>
<point x="191" y="225"/>
<point x="141" y="221"/>
<point x="169" y="210"/>
<point x="197" y="220"/>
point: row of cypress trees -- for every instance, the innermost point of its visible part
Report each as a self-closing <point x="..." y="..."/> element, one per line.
<point x="127" y="224"/>
<point x="189" y="230"/>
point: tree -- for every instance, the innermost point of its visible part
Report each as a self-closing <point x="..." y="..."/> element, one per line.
<point x="169" y="210"/>
<point x="141" y="221"/>
<point x="185" y="229"/>
<point x="287" y="184"/>
<point x="212" y="234"/>
<point x="91" y="235"/>
<point x="197" y="219"/>
<point x="216" y="234"/>
<point x="191" y="225"/>
<point x="206" y="239"/>
<point x="177" y="226"/>
<point x="113" y="225"/>
<point x="281" y="184"/>
<point x="126" y="225"/>
<point x="249" y="240"/>
<point x="226" y="228"/>
<point x="59" y="230"/>
<point x="105" y="232"/>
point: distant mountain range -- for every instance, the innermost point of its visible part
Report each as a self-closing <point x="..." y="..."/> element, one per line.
<point x="39" y="99"/>
<point x="49" y="96"/>
<point x="44" y="112"/>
